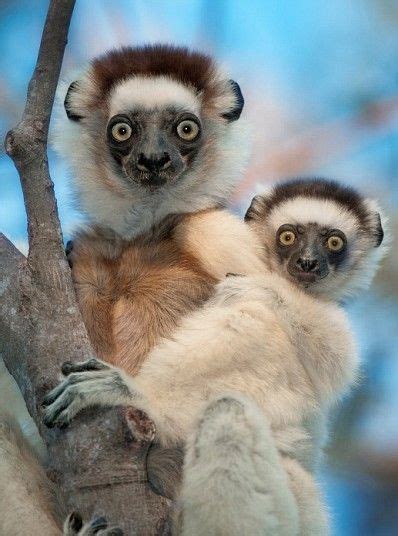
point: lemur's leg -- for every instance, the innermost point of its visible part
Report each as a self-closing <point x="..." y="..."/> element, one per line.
<point x="74" y="526"/>
<point x="27" y="497"/>
<point x="233" y="479"/>
<point x="215" y="350"/>
<point x="314" y="518"/>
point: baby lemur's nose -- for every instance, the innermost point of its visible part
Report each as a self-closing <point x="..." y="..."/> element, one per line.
<point x="154" y="162"/>
<point x="307" y="265"/>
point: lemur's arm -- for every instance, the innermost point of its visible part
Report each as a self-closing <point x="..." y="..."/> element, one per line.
<point x="212" y="352"/>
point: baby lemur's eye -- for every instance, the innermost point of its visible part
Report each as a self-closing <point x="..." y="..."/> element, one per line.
<point x="335" y="243"/>
<point x="188" y="130"/>
<point x="121" y="131"/>
<point x="287" y="238"/>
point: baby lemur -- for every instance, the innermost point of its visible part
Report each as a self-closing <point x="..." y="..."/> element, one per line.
<point x="278" y="337"/>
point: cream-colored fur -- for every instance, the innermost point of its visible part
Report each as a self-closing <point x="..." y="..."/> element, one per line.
<point x="236" y="482"/>
<point x="130" y="210"/>
<point x="152" y="92"/>
<point x="27" y="501"/>
<point x="221" y="243"/>
<point x="363" y="260"/>
<point x="291" y="353"/>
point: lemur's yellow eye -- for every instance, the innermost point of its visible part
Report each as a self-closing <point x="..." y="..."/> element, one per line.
<point x="287" y="238"/>
<point x="335" y="243"/>
<point x="121" y="131"/>
<point x="187" y="130"/>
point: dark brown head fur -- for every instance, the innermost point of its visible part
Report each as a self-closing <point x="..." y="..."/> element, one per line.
<point x="191" y="68"/>
<point x="318" y="189"/>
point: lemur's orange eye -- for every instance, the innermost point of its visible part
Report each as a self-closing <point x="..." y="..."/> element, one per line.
<point x="121" y="132"/>
<point x="187" y="130"/>
<point x="287" y="238"/>
<point x="335" y="243"/>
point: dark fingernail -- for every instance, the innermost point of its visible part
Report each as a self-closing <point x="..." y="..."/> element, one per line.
<point x="47" y="400"/>
<point x="66" y="367"/>
<point x="75" y="521"/>
<point x="48" y="422"/>
<point x="63" y="425"/>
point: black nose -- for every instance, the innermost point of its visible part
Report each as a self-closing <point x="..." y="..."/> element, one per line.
<point x="307" y="265"/>
<point x="154" y="162"/>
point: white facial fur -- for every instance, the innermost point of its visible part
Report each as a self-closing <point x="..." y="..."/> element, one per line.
<point x="104" y="198"/>
<point x="324" y="212"/>
<point x="151" y="93"/>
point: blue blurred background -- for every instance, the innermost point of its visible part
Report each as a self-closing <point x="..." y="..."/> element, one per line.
<point x="321" y="87"/>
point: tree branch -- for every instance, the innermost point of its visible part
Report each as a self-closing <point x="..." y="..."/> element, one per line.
<point x="98" y="466"/>
<point x="27" y="143"/>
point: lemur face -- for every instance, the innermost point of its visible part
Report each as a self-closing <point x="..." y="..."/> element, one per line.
<point x="148" y="118"/>
<point x="154" y="147"/>
<point x="320" y="235"/>
<point x="310" y="252"/>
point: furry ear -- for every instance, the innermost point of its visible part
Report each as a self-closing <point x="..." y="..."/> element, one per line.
<point x="234" y="113"/>
<point x="72" y="113"/>
<point x="379" y="232"/>
<point x="256" y="209"/>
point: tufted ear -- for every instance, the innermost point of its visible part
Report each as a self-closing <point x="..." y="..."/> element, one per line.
<point x="234" y="113"/>
<point x="256" y="208"/>
<point x="379" y="232"/>
<point x="70" y="107"/>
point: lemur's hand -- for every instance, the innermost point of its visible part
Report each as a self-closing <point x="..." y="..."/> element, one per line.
<point x="89" y="383"/>
<point x="74" y="526"/>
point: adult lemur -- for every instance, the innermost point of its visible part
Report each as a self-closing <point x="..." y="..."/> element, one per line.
<point x="278" y="337"/>
<point x="155" y="148"/>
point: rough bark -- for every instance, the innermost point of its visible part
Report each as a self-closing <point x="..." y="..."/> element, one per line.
<point x="96" y="463"/>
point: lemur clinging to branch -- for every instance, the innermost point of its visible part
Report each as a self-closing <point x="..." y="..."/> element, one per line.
<point x="155" y="146"/>
<point x="278" y="337"/>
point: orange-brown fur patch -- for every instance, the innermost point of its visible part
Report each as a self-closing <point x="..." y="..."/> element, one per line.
<point x="132" y="293"/>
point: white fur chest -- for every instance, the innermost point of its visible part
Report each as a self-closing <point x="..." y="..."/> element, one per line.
<point x="319" y="331"/>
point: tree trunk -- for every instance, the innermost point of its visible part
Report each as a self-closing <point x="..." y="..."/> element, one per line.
<point x="96" y="463"/>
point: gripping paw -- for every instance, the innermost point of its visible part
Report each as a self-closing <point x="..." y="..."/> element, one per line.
<point x="89" y="383"/>
<point x="74" y="526"/>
